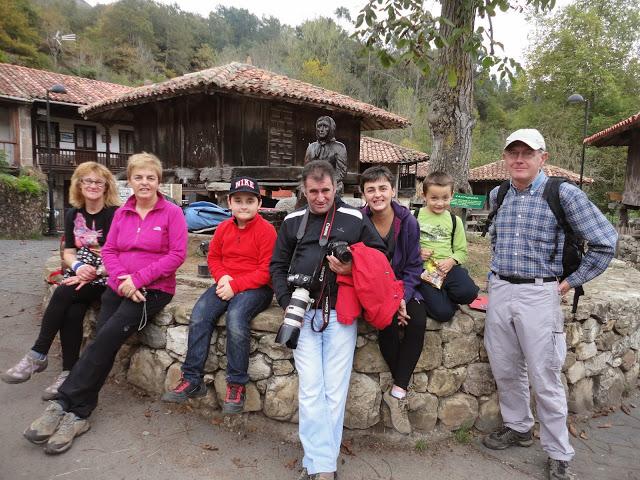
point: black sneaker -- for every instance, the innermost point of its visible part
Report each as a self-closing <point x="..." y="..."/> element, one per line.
<point x="184" y="391"/>
<point x="558" y="470"/>
<point x="234" y="399"/>
<point x="507" y="437"/>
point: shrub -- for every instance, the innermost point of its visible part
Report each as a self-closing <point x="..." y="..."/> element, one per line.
<point x="23" y="184"/>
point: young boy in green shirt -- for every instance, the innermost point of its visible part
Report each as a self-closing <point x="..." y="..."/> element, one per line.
<point x="446" y="246"/>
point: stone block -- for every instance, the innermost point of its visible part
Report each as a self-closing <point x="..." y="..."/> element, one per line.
<point x="457" y="410"/>
<point x="460" y="351"/>
<point x="631" y="376"/>
<point x="273" y="350"/>
<point x="148" y="369"/>
<point x="363" y="402"/>
<point x="606" y="340"/>
<point x="432" y="325"/>
<point x="361" y="341"/>
<point x="259" y="367"/>
<point x="423" y="411"/>
<point x="368" y="359"/>
<point x="477" y="316"/>
<point x="444" y="382"/>
<point x="181" y="313"/>
<point x="576" y="372"/>
<point x="590" y="330"/>
<point x="628" y="360"/>
<point x="569" y="360"/>
<point x="574" y="333"/>
<point x="213" y="361"/>
<point x="431" y="356"/>
<point x="268" y="321"/>
<point x="281" y="397"/>
<point x="420" y="382"/>
<point x="174" y="374"/>
<point x="282" y="367"/>
<point x="608" y="388"/>
<point x="580" y="398"/>
<point x="460" y="325"/>
<point x="586" y="350"/>
<point x="163" y="318"/>
<point x="483" y="356"/>
<point x="385" y="380"/>
<point x="177" y="340"/>
<point x="479" y="380"/>
<point x="154" y="336"/>
<point x="596" y="365"/>
<point x="489" y="417"/>
<point x="620" y="346"/>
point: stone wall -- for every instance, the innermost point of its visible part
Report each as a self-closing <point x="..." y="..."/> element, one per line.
<point x="629" y="249"/>
<point x="21" y="214"/>
<point x="452" y="385"/>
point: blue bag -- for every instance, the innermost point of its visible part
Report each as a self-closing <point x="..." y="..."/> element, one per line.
<point x="205" y="215"/>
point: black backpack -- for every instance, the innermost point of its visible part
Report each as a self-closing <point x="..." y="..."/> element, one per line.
<point x="573" y="250"/>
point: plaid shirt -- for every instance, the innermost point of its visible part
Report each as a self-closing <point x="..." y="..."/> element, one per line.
<point x="525" y="234"/>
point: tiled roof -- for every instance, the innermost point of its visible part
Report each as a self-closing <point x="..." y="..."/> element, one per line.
<point x="373" y="150"/>
<point x="497" y="171"/>
<point x="30" y="84"/>
<point x="614" y="135"/>
<point x="248" y="80"/>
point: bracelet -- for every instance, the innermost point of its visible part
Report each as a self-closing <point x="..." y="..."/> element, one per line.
<point x="76" y="265"/>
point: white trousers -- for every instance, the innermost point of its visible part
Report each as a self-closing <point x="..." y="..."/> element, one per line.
<point x="524" y="333"/>
<point x="324" y="362"/>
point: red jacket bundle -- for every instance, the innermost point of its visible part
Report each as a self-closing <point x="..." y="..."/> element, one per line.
<point x="242" y="253"/>
<point x="372" y="286"/>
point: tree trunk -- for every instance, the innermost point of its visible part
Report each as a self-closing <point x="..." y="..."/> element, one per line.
<point x="450" y="109"/>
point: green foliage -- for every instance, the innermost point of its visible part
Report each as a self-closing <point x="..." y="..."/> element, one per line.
<point x="420" y="445"/>
<point x="22" y="184"/>
<point x="463" y="434"/>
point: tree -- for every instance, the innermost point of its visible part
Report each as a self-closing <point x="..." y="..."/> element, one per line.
<point x="19" y="34"/>
<point x="448" y="45"/>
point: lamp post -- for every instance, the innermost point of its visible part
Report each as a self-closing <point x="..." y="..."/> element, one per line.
<point x="577" y="98"/>
<point x="57" y="88"/>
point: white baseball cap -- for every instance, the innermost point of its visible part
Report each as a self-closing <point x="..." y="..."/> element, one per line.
<point x="530" y="136"/>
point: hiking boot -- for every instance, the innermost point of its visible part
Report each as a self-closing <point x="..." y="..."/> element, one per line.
<point x="45" y="426"/>
<point x="558" y="470"/>
<point x="234" y="399"/>
<point x="507" y="437"/>
<point x="70" y="427"/>
<point x="24" y="369"/>
<point x="51" y="392"/>
<point x="184" y="391"/>
<point x="399" y="412"/>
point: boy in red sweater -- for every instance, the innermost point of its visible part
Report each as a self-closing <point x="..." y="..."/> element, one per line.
<point x="239" y="256"/>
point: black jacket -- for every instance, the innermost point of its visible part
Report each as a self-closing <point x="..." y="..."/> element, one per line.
<point x="349" y="225"/>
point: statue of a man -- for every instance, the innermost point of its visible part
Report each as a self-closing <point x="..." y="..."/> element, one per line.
<point x="329" y="149"/>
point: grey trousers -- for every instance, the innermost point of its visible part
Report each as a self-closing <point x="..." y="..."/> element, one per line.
<point x="524" y="334"/>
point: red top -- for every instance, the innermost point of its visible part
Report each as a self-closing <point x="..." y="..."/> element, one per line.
<point x="242" y="253"/>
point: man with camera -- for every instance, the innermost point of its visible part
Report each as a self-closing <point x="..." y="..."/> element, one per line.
<point x="311" y="244"/>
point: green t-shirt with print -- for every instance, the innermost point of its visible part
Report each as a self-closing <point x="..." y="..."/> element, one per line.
<point x="435" y="234"/>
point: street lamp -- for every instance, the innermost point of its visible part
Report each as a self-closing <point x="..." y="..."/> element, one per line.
<point x="577" y="98"/>
<point x="57" y="88"/>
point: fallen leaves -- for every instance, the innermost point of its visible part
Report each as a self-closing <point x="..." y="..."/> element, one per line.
<point x="625" y="409"/>
<point x="347" y="448"/>
<point x="208" y="446"/>
<point x="291" y="464"/>
<point x="573" y="430"/>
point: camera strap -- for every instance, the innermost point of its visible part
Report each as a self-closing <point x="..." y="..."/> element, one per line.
<point x="325" y="298"/>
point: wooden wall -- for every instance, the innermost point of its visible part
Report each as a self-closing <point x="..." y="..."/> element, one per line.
<point x="631" y="195"/>
<point x="201" y="130"/>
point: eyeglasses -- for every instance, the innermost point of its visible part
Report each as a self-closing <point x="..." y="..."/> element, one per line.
<point x="90" y="181"/>
<point x="525" y="154"/>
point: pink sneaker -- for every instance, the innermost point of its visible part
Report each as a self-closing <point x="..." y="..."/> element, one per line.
<point x="51" y="392"/>
<point x="24" y="369"/>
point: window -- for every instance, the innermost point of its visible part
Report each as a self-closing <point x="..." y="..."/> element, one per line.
<point x="126" y="141"/>
<point x="54" y="134"/>
<point x="7" y="136"/>
<point x="85" y="137"/>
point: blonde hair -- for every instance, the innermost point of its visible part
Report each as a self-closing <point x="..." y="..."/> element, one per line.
<point x="144" y="160"/>
<point x="110" y="193"/>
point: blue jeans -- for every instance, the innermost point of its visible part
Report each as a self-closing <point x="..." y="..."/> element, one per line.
<point x="324" y="362"/>
<point x="240" y="310"/>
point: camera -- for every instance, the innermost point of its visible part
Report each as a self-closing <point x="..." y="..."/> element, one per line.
<point x="301" y="300"/>
<point x="340" y="250"/>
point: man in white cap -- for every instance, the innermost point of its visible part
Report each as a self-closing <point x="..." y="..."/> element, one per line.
<point x="524" y="329"/>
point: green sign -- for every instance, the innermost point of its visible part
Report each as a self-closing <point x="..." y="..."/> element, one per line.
<point x="462" y="200"/>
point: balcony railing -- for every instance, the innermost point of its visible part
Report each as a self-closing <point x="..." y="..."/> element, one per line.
<point x="68" y="159"/>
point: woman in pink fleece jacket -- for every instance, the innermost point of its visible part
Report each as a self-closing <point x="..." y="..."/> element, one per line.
<point x="145" y="246"/>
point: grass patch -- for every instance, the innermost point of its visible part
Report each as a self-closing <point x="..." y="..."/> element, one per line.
<point x="420" y="446"/>
<point x="463" y="434"/>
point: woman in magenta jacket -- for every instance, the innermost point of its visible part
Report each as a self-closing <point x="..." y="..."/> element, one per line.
<point x="145" y="246"/>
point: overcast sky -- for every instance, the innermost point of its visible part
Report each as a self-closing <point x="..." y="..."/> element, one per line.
<point x="510" y="28"/>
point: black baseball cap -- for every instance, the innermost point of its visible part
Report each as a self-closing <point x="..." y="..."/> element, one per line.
<point x="244" y="184"/>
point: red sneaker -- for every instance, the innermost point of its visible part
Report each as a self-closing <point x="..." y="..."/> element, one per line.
<point x="234" y="400"/>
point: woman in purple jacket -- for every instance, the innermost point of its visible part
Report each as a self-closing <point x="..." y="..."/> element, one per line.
<point x="401" y="234"/>
<point x="145" y="246"/>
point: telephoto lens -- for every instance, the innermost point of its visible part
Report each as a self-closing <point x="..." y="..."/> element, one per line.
<point x="289" y="331"/>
